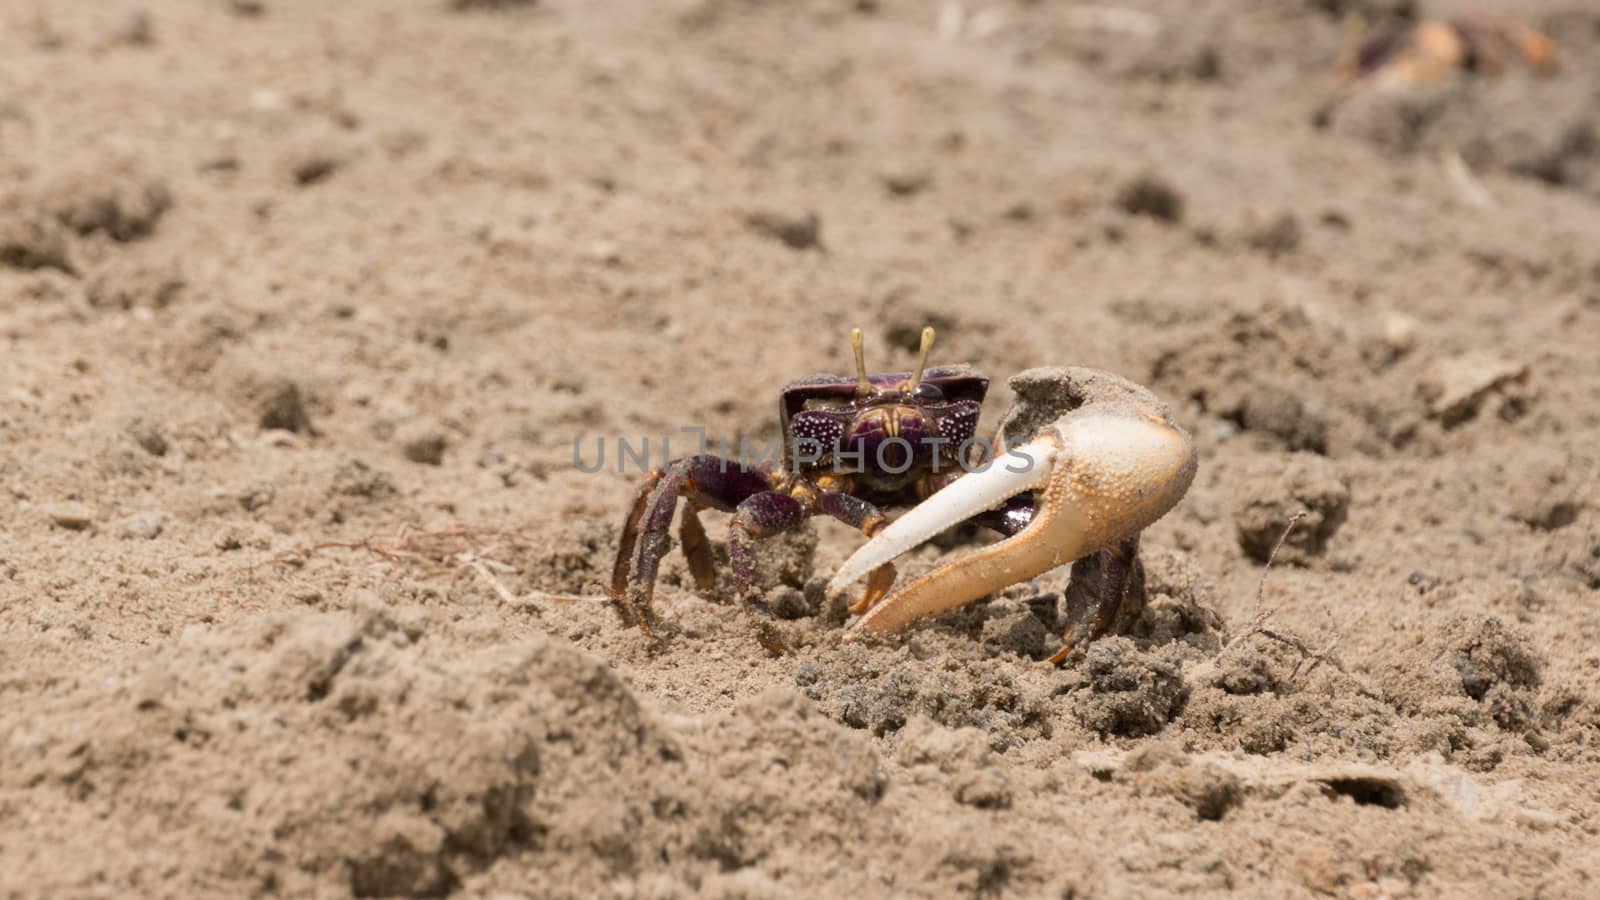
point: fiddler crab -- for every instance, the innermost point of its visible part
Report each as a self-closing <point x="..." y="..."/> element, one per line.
<point x="1432" y="49"/>
<point x="1082" y="464"/>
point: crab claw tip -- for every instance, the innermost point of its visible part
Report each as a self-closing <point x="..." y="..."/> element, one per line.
<point x="1023" y="468"/>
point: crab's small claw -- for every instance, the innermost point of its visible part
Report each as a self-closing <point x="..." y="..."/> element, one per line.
<point x="1100" y="474"/>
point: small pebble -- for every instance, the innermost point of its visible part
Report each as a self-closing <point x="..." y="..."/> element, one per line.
<point x="1457" y="387"/>
<point x="254" y="496"/>
<point x="904" y="182"/>
<point x="71" y="516"/>
<point x="984" y="789"/>
<point x="137" y="31"/>
<point x="314" y="163"/>
<point x="283" y="407"/>
<point x="32" y="239"/>
<point x="142" y="526"/>
<point x="798" y="231"/>
<point x="1400" y="332"/>
<point x="606" y="253"/>
<point x="1278" y="237"/>
<point x="1151" y="195"/>
<point x="149" y="437"/>
<point x="425" y="447"/>
<point x="267" y="100"/>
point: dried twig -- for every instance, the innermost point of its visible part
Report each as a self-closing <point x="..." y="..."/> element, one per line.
<point x="1472" y="190"/>
<point x="436" y="550"/>
<point x="1310" y="658"/>
<point x="453" y="550"/>
<point x="1261" y="586"/>
<point x="493" y="582"/>
<point x="1259" y="619"/>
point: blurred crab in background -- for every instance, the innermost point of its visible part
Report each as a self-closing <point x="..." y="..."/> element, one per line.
<point x="1082" y="464"/>
<point x="1431" y="50"/>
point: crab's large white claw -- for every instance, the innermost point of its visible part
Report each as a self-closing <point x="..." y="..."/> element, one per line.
<point x="1101" y="474"/>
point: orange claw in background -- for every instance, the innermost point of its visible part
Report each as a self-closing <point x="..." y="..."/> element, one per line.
<point x="1492" y="39"/>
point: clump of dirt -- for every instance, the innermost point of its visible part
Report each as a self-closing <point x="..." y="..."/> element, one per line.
<point x="1252" y="669"/>
<point x="947" y="751"/>
<point x="1021" y="629"/>
<point x="281" y="405"/>
<point x="71" y="515"/>
<point x="1162" y="770"/>
<point x="1477" y="679"/>
<point x="958" y="760"/>
<point x="202" y="338"/>
<point x="786" y="561"/>
<point x="1262" y="696"/>
<point x="1546" y="490"/>
<point x="357" y="480"/>
<point x="121" y="198"/>
<point x="1571" y="724"/>
<point x="1274" y="491"/>
<point x="1148" y="194"/>
<point x="1575" y="554"/>
<point x="1275" y="371"/>
<point x="752" y="814"/>
<point x="275" y="400"/>
<point x="1479" y="658"/>
<point x="1250" y="724"/>
<point x="1181" y="602"/>
<point x="401" y="773"/>
<point x="1281" y="235"/>
<point x="880" y="694"/>
<point x="795" y="230"/>
<point x="1489" y="656"/>
<point x="126" y="285"/>
<point x="571" y="564"/>
<point x="1126" y="692"/>
<point x="423" y="443"/>
<point x="31" y="238"/>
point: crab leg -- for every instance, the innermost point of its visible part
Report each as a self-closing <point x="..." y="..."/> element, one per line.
<point x="1101" y="474"/>
<point x="708" y="481"/>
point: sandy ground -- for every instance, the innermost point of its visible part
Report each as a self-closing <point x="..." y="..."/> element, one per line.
<point x="303" y="306"/>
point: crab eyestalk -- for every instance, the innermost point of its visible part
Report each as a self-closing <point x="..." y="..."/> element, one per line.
<point x="922" y="359"/>
<point x="1100" y="475"/>
<point x="858" y="344"/>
